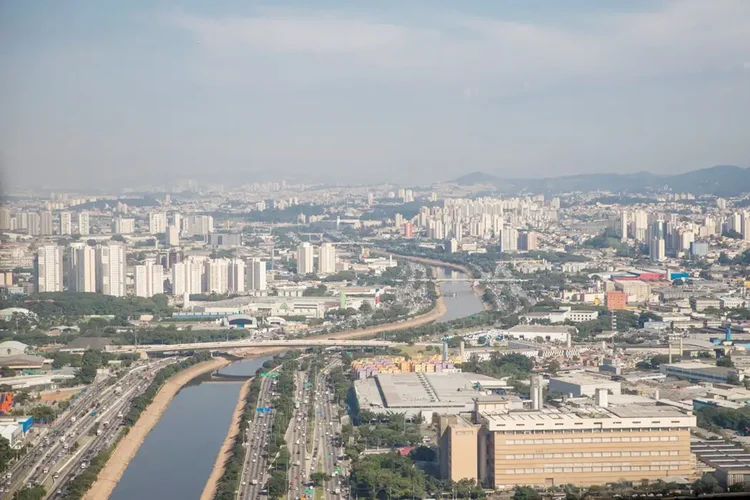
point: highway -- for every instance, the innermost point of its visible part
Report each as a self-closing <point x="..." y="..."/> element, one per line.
<point x="64" y="448"/>
<point x="296" y="438"/>
<point x="255" y="466"/>
<point x="329" y="425"/>
<point x="244" y="343"/>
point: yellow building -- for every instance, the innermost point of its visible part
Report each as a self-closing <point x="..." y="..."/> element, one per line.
<point x="458" y="448"/>
<point x="582" y="445"/>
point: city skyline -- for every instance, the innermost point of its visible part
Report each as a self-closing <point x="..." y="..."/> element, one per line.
<point x="369" y="94"/>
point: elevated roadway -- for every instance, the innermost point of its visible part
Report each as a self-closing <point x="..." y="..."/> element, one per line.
<point x="244" y="344"/>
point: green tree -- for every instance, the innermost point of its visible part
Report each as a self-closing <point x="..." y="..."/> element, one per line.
<point x="706" y="484"/>
<point x="525" y="493"/>
<point x="553" y="367"/>
<point x="725" y="361"/>
<point x="365" y="308"/>
<point x="318" y="478"/>
<point x="31" y="493"/>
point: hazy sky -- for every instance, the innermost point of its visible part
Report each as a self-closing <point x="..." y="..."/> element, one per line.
<point x="101" y="93"/>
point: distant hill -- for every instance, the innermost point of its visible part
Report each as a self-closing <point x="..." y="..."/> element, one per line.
<point x="720" y="180"/>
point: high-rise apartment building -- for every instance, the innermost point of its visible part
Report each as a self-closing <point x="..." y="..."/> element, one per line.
<point x="148" y="279"/>
<point x="66" y="223"/>
<point x="157" y="222"/>
<point x="110" y="269"/>
<point x="173" y="236"/>
<point x="123" y="226"/>
<point x="82" y="268"/>
<point x="305" y="258"/>
<point x="528" y="240"/>
<point x="198" y="224"/>
<point x="49" y="269"/>
<point x="508" y="239"/>
<point x="5" y="219"/>
<point x="256" y="275"/>
<point x="327" y="259"/>
<point x="45" y="223"/>
<point x="83" y="223"/>
<point x="236" y="276"/>
<point x="217" y="274"/>
<point x="657" y="249"/>
<point x="623" y="233"/>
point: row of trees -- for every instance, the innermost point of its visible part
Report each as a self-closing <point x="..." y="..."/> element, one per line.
<point x="141" y="401"/>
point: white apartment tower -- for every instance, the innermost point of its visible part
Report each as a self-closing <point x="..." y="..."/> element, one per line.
<point x="66" y="223"/>
<point x="148" y="279"/>
<point x="217" y="272"/>
<point x="236" y="276"/>
<point x="327" y="259"/>
<point x="305" y="258"/>
<point x="256" y="275"/>
<point x="198" y="224"/>
<point x="123" y="226"/>
<point x="110" y="269"/>
<point x="82" y="272"/>
<point x="83" y="223"/>
<point x="157" y="222"/>
<point x="49" y="269"/>
<point x="173" y="236"/>
<point x="45" y="223"/>
<point x="5" y="219"/>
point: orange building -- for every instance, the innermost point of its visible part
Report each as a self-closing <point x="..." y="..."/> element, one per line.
<point x="616" y="300"/>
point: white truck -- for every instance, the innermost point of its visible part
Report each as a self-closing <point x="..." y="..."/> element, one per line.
<point x="254" y="482"/>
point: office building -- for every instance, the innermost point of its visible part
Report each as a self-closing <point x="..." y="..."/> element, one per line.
<point x="83" y="223"/>
<point x="110" y="269"/>
<point x="82" y="268"/>
<point x="148" y="280"/>
<point x="256" y="275"/>
<point x="66" y="223"/>
<point x="327" y="259"/>
<point x="236" y="276"/>
<point x="225" y="240"/>
<point x="123" y="226"/>
<point x="173" y="236"/>
<point x="616" y="300"/>
<point x="49" y="269"/>
<point x="698" y="249"/>
<point x="157" y="222"/>
<point x="305" y="259"/>
<point x="45" y="223"/>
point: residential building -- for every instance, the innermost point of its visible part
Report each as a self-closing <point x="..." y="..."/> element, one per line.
<point x="256" y="275"/>
<point x="82" y="268"/>
<point x="305" y="258"/>
<point x="49" y="269"/>
<point x="66" y="223"/>
<point x="616" y="300"/>
<point x="123" y="226"/>
<point x="327" y="259"/>
<point x="83" y="223"/>
<point x="198" y="225"/>
<point x="45" y="223"/>
<point x="217" y="274"/>
<point x="5" y="218"/>
<point x="157" y="222"/>
<point x="148" y="279"/>
<point x="236" y="276"/>
<point x="173" y="236"/>
<point x="110" y="269"/>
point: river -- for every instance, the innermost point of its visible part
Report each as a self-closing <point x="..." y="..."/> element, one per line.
<point x="460" y="299"/>
<point x="178" y="455"/>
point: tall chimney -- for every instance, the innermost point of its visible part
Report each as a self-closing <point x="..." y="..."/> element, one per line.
<point x="601" y="398"/>
<point x="534" y="393"/>
<point x="570" y="340"/>
<point x="461" y="350"/>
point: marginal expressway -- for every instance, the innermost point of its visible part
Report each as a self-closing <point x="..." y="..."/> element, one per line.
<point x="255" y="467"/>
<point x="92" y="421"/>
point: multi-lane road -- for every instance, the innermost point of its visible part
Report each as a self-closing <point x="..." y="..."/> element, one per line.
<point x="91" y="422"/>
<point x="255" y="467"/>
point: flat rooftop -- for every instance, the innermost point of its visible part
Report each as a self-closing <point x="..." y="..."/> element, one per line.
<point x="413" y="392"/>
<point x="721" y="455"/>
